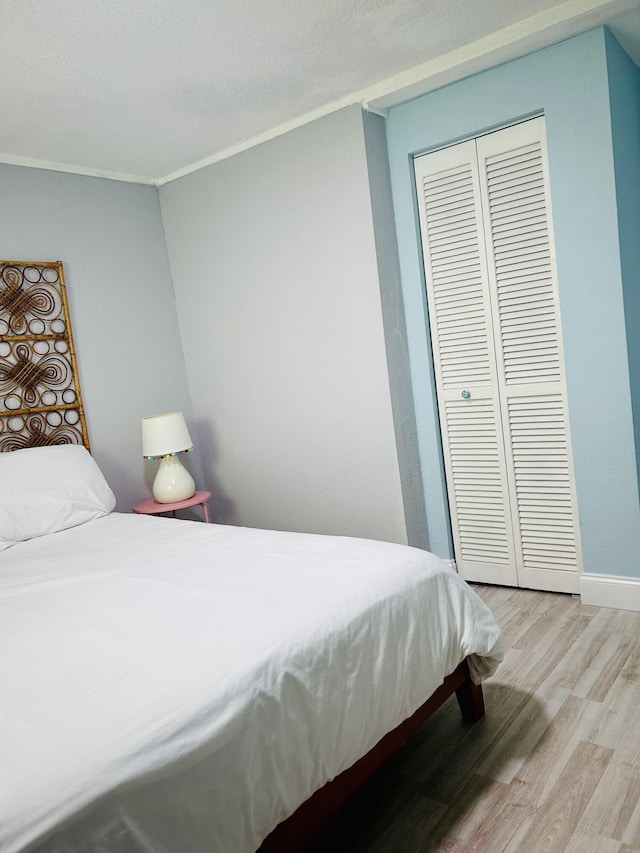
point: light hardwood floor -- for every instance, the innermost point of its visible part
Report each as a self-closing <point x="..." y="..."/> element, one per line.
<point x="553" y="766"/>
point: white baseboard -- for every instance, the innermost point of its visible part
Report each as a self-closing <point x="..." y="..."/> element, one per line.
<point x="620" y="593"/>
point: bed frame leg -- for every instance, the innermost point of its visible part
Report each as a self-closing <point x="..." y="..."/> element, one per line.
<point x="471" y="701"/>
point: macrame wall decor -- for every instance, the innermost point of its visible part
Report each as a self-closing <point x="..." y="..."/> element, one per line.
<point x="40" y="400"/>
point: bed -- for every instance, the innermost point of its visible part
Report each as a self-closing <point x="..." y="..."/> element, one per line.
<point x="177" y="686"/>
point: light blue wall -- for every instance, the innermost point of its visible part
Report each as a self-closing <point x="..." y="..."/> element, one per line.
<point x="624" y="91"/>
<point x="109" y="236"/>
<point x="568" y="83"/>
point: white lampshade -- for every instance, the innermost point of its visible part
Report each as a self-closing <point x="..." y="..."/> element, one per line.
<point x="165" y="435"/>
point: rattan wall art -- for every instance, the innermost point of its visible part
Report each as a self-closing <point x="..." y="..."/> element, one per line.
<point x="40" y="399"/>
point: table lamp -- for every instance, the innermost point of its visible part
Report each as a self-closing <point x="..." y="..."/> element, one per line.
<point x="166" y="437"/>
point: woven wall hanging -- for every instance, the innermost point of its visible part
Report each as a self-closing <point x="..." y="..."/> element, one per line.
<point x="40" y="399"/>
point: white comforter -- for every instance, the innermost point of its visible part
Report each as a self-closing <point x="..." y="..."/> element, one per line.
<point x="175" y="686"/>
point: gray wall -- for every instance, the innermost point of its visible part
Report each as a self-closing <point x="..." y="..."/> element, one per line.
<point x="273" y="260"/>
<point x="109" y="237"/>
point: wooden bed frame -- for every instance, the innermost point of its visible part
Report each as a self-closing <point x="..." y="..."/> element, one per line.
<point x="293" y="832"/>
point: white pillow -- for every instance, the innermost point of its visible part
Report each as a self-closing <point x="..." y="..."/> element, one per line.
<point x="46" y="489"/>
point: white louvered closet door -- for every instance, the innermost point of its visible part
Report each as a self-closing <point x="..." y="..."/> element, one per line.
<point x="464" y="355"/>
<point x="493" y="306"/>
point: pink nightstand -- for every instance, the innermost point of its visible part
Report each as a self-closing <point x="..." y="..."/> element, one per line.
<point x="152" y="507"/>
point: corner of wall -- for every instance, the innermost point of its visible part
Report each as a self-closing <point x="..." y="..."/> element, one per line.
<point x="395" y="330"/>
<point x="623" y="78"/>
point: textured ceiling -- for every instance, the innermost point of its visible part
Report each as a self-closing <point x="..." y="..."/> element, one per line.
<point x="149" y="89"/>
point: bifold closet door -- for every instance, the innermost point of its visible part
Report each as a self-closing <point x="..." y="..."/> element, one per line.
<point x="465" y="364"/>
<point x="494" y="314"/>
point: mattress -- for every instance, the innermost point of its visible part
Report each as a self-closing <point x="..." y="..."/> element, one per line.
<point x="176" y="686"/>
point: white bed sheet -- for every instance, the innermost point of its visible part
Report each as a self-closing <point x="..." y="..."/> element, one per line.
<point x="175" y="686"/>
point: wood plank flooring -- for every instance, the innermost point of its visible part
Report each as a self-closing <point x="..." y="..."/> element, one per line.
<point x="553" y="766"/>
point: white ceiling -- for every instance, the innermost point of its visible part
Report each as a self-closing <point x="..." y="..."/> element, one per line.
<point x="150" y="89"/>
